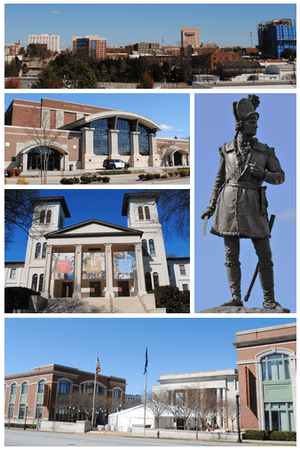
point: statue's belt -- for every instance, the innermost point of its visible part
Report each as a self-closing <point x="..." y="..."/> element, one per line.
<point x="261" y="189"/>
<point x="244" y="184"/>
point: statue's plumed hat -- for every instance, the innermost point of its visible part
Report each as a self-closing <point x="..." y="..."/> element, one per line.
<point x="245" y="109"/>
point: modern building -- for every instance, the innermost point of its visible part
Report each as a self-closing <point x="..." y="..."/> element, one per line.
<point x="266" y="359"/>
<point x="220" y="385"/>
<point x="179" y="272"/>
<point x="51" y="40"/>
<point x="38" y="394"/>
<point x="146" y="47"/>
<point x="275" y="36"/>
<point x="91" y="46"/>
<point x="114" y="265"/>
<point x="80" y="137"/>
<point x="189" y="37"/>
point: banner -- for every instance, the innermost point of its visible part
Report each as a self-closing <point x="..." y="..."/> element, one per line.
<point x="63" y="266"/>
<point x="124" y="265"/>
<point x="93" y="266"/>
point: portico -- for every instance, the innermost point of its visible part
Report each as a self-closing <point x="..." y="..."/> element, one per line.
<point x="94" y="259"/>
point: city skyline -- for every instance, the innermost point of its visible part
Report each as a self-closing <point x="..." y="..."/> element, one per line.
<point x="222" y="24"/>
<point x="204" y="345"/>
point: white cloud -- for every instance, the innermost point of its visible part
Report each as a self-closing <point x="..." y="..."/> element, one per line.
<point x="288" y="214"/>
<point x="54" y="12"/>
<point x="167" y="128"/>
<point x="18" y="21"/>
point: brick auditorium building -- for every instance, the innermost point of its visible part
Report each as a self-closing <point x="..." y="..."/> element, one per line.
<point x="38" y="393"/>
<point x="266" y="360"/>
<point x="81" y="137"/>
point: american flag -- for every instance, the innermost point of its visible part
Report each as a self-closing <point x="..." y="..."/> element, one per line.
<point x="98" y="368"/>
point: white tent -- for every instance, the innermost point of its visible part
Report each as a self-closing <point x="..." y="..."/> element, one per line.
<point x="124" y="420"/>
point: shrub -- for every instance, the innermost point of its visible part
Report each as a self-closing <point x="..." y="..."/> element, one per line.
<point x="171" y="174"/>
<point x="283" y="435"/>
<point x="85" y="179"/>
<point x="171" y="298"/>
<point x="69" y="180"/>
<point x="22" y="181"/>
<point x="17" y="298"/>
<point x="182" y="173"/>
<point x="142" y="176"/>
<point x="258" y="435"/>
<point x="10" y="172"/>
<point x="105" y="179"/>
<point x="157" y="176"/>
<point x="149" y="176"/>
<point x="20" y="425"/>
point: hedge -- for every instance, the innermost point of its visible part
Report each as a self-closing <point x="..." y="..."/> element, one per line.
<point x="17" y="298"/>
<point x="171" y="298"/>
<point x="267" y="435"/>
<point x="20" y="425"/>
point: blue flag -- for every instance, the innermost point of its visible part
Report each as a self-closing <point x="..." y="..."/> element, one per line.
<point x="146" y="360"/>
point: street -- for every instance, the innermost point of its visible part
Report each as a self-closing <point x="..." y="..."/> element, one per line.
<point x="34" y="438"/>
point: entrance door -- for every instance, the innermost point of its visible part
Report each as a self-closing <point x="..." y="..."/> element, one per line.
<point x="123" y="288"/>
<point x="95" y="289"/>
<point x="67" y="290"/>
<point x="177" y="159"/>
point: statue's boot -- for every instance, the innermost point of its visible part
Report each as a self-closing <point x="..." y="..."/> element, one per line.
<point x="234" y="280"/>
<point x="266" y="277"/>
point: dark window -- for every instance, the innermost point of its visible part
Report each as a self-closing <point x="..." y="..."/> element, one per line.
<point x="100" y="136"/>
<point x="147" y="213"/>
<point x="144" y="148"/>
<point x="48" y="218"/>
<point x="44" y="250"/>
<point x="37" y="250"/>
<point x="144" y="247"/>
<point x="141" y="213"/>
<point x="41" y="282"/>
<point x="182" y="269"/>
<point x="148" y="282"/>
<point x="123" y="137"/>
<point x="64" y="387"/>
<point x="34" y="282"/>
<point x="13" y="273"/>
<point x="42" y="216"/>
<point x="151" y="246"/>
<point x="155" y="280"/>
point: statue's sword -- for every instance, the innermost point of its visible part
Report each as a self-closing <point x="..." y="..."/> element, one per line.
<point x="271" y="222"/>
<point x="205" y="225"/>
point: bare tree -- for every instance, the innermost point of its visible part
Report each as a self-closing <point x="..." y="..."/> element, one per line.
<point x="229" y="412"/>
<point x="181" y="405"/>
<point x="67" y="405"/>
<point x="158" y="402"/>
<point x="43" y="132"/>
<point x="18" y="211"/>
<point x="205" y="406"/>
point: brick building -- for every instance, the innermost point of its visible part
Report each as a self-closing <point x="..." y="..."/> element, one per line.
<point x="91" y="46"/>
<point x="266" y="360"/>
<point x="38" y="392"/>
<point x="189" y="37"/>
<point x="81" y="137"/>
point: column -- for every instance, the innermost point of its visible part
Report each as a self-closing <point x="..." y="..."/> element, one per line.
<point x="24" y="161"/>
<point x="88" y="141"/>
<point x="77" y="272"/>
<point x="153" y="150"/>
<point x="108" y="271"/>
<point x="140" y="269"/>
<point x="134" y="146"/>
<point x="113" y="144"/>
<point x="219" y="398"/>
<point x="49" y="249"/>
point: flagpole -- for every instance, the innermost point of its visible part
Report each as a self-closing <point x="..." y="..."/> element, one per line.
<point x="145" y="395"/>
<point x="94" y="395"/>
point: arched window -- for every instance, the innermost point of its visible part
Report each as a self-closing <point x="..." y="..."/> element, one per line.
<point x="42" y="216"/>
<point x="40" y="399"/>
<point x="48" y="217"/>
<point x="88" y="387"/>
<point x="37" y="250"/>
<point x="64" y="387"/>
<point x="35" y="155"/>
<point x="147" y="213"/>
<point x="41" y="282"/>
<point x="275" y="367"/>
<point x="148" y="282"/>
<point x="23" y="400"/>
<point x="44" y="250"/>
<point x="141" y="213"/>
<point x="151" y="246"/>
<point x="144" y="247"/>
<point x="117" y="393"/>
<point x="155" y="280"/>
<point x="12" y="399"/>
<point x="34" y="282"/>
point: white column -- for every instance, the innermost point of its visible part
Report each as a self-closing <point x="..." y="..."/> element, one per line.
<point x="108" y="271"/>
<point x="153" y="160"/>
<point x="88" y="141"/>
<point x="134" y="147"/>
<point x="113" y="144"/>
<point x="140" y="269"/>
<point x="24" y="161"/>
<point x="77" y="272"/>
<point x="219" y="419"/>
<point x="49" y="249"/>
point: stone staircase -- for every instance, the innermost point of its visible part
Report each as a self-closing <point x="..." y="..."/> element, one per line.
<point x="144" y="304"/>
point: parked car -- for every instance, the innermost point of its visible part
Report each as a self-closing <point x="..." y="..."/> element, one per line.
<point x="115" y="164"/>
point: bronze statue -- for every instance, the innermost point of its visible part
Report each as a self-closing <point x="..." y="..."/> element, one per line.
<point x="239" y="204"/>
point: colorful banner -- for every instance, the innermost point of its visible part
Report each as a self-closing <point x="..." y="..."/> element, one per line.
<point x="93" y="266"/>
<point x="124" y="265"/>
<point x="63" y="266"/>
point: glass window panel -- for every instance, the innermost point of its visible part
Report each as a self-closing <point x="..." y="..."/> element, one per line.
<point x="291" y="421"/>
<point x="123" y="137"/>
<point x="155" y="280"/>
<point x="64" y="387"/>
<point x="101" y="129"/>
<point x="151" y="246"/>
<point x="267" y="420"/>
<point x="264" y="369"/>
<point x="48" y="218"/>
<point x="41" y="387"/>
<point x="144" y="147"/>
<point x="24" y="388"/>
<point x="44" y="251"/>
<point x="141" y="213"/>
<point x="34" y="282"/>
<point x="147" y="213"/>
<point x="283" y="421"/>
<point x="13" y="389"/>
<point x="42" y="217"/>
<point x="287" y="369"/>
<point x="37" y="250"/>
<point x="144" y="247"/>
<point x="275" y="420"/>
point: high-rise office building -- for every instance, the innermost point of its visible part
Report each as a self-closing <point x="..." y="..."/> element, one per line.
<point x="275" y="36"/>
<point x="51" y="40"/>
<point x="92" y="46"/>
<point x="189" y="36"/>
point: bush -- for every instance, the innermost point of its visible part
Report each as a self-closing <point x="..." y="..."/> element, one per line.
<point x="18" y="172"/>
<point x="283" y="435"/>
<point x="105" y="179"/>
<point x="69" y="180"/>
<point x="17" y="298"/>
<point x="182" y="173"/>
<point x="10" y="172"/>
<point x="171" y="298"/>
<point x="142" y="176"/>
<point x="22" y="181"/>
<point x="157" y="176"/>
<point x="258" y="435"/>
<point x="149" y="176"/>
<point x="85" y="179"/>
<point x="21" y="425"/>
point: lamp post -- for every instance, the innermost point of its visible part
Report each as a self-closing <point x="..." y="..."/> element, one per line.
<point x="26" y="408"/>
<point x="237" y="395"/>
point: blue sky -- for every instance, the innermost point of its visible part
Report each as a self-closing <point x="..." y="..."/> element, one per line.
<point x="277" y="127"/>
<point x="85" y="204"/>
<point x="175" y="345"/>
<point x="123" y="24"/>
<point x="170" y="111"/>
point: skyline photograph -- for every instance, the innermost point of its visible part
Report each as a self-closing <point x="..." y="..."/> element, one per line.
<point x="226" y="25"/>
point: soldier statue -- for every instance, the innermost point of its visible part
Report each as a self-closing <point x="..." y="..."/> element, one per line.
<point x="239" y="204"/>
